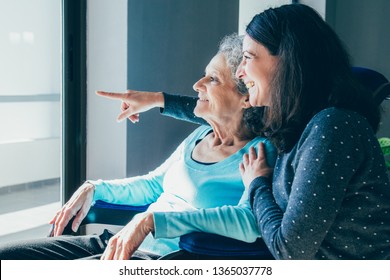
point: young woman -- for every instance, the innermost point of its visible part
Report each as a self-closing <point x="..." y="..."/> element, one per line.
<point x="328" y="196"/>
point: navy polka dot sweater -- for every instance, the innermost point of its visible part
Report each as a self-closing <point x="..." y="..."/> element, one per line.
<point x="330" y="196"/>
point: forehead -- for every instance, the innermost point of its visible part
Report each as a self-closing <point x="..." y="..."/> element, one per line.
<point x="258" y="50"/>
<point x="250" y="45"/>
<point x="218" y="64"/>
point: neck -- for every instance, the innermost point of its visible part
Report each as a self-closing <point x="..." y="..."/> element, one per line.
<point x="225" y="140"/>
<point x="229" y="134"/>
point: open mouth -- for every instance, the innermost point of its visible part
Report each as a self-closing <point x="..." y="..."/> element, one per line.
<point x="249" y="84"/>
<point x="202" y="99"/>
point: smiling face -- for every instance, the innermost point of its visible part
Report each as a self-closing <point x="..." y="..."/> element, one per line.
<point x="219" y="98"/>
<point x="257" y="71"/>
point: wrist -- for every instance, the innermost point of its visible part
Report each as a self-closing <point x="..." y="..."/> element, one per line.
<point x="159" y="99"/>
<point x="89" y="186"/>
<point x="148" y="222"/>
<point x="260" y="181"/>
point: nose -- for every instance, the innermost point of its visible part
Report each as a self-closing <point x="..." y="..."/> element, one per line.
<point x="240" y="70"/>
<point x="198" y="85"/>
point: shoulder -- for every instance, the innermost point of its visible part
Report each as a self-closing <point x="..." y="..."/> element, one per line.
<point x="270" y="149"/>
<point x="259" y="139"/>
<point x="338" y="120"/>
<point x="336" y="115"/>
<point x="334" y="123"/>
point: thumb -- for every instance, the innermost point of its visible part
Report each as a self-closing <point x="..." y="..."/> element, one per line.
<point x="134" y="118"/>
<point x="125" y="114"/>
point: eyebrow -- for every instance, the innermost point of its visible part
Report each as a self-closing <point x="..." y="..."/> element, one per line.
<point x="249" y="52"/>
<point x="214" y="71"/>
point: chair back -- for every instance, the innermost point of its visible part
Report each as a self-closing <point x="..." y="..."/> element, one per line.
<point x="374" y="81"/>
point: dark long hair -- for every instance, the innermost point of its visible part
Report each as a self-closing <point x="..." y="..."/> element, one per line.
<point x="313" y="72"/>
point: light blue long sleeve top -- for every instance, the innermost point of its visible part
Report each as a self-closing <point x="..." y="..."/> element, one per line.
<point x="187" y="196"/>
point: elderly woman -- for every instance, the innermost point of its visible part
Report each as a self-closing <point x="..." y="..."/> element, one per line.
<point x="198" y="188"/>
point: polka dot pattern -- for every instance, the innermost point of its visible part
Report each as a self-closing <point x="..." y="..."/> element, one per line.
<point x="330" y="195"/>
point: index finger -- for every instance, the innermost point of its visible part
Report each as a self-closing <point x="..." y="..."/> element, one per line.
<point x="112" y="95"/>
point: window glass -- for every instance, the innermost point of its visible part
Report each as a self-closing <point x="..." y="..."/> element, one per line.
<point x="30" y="77"/>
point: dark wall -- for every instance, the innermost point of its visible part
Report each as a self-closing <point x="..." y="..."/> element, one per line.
<point x="363" y="26"/>
<point x="169" y="44"/>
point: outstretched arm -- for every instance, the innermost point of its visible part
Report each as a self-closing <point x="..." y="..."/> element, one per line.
<point x="136" y="102"/>
<point x="181" y="107"/>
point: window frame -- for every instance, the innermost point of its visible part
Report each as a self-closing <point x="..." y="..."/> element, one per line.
<point x="74" y="96"/>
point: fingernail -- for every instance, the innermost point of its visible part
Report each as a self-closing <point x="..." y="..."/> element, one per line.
<point x="75" y="228"/>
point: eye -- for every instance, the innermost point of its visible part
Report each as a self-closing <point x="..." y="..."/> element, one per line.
<point x="214" y="79"/>
<point x="246" y="56"/>
<point x="211" y="78"/>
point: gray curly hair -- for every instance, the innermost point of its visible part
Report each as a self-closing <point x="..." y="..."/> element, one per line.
<point x="231" y="47"/>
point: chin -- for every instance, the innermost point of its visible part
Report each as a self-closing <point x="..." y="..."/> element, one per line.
<point x="196" y="112"/>
<point x="200" y="109"/>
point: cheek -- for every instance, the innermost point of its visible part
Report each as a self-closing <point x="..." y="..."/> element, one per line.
<point x="259" y="96"/>
<point x="265" y="94"/>
<point x="260" y="93"/>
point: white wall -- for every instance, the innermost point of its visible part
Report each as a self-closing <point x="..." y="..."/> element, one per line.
<point x="106" y="70"/>
<point x="249" y="8"/>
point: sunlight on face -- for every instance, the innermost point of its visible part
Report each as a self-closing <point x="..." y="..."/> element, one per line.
<point x="217" y="92"/>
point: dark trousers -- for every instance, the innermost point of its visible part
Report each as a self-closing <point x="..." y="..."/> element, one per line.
<point x="65" y="247"/>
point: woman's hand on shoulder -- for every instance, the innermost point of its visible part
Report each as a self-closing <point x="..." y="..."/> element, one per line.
<point x="254" y="165"/>
<point x="135" y="102"/>
<point x="77" y="206"/>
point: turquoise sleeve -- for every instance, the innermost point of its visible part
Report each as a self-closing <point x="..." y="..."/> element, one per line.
<point x="136" y="191"/>
<point x="236" y="222"/>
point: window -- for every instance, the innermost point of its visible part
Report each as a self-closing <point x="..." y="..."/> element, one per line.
<point x="30" y="122"/>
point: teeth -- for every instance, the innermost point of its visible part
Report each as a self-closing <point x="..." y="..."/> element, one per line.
<point x="249" y="84"/>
